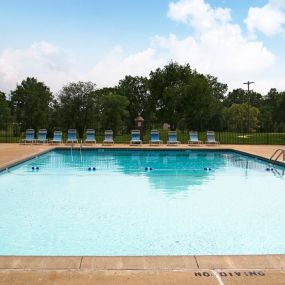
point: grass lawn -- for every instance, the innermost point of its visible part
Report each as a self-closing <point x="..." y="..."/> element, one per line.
<point x="240" y="138"/>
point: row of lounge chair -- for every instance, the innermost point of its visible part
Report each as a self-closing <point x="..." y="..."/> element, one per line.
<point x="172" y="138"/>
<point x="108" y="138"/>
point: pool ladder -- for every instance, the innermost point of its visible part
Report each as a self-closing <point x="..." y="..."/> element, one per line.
<point x="277" y="154"/>
<point x="80" y="150"/>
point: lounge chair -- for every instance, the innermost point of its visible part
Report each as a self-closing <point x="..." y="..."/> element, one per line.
<point x="57" y="137"/>
<point x="71" y="136"/>
<point x="194" y="139"/>
<point x="154" y="138"/>
<point x="211" y="138"/>
<point x="172" y="138"/>
<point x="42" y="136"/>
<point x="136" y="140"/>
<point x="108" y="137"/>
<point x="30" y="136"/>
<point x="90" y="136"/>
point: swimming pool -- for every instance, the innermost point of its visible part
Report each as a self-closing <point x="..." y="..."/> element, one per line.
<point x="137" y="202"/>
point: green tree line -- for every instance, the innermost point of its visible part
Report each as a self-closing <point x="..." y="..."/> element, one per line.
<point x="175" y="94"/>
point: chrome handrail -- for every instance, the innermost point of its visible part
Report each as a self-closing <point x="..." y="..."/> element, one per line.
<point x="278" y="152"/>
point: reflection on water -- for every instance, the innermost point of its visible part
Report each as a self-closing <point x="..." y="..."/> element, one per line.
<point x="171" y="171"/>
<point x="247" y="162"/>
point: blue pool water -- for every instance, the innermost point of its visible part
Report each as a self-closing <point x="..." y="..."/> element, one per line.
<point x="177" y="208"/>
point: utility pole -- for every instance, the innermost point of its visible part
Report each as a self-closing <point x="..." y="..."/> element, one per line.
<point x="248" y="83"/>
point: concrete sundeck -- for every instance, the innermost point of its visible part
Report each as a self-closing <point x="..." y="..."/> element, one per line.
<point x="198" y="270"/>
<point x="262" y="269"/>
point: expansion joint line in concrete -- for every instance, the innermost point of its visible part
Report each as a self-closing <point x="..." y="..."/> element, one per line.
<point x="81" y="259"/>
<point x="196" y="262"/>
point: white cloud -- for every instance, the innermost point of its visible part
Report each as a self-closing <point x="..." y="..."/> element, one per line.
<point x="269" y="19"/>
<point x="198" y="14"/>
<point x="43" y="60"/>
<point x="116" y="65"/>
<point x="54" y="66"/>
<point x="218" y="45"/>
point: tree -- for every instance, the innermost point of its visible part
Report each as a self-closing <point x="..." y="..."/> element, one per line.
<point x="280" y="112"/>
<point x="31" y="103"/>
<point x="165" y="86"/>
<point x="55" y="117"/>
<point x="272" y="111"/>
<point x="137" y="91"/>
<point x="79" y="106"/>
<point x="4" y="110"/>
<point x="242" y="118"/>
<point x="218" y="89"/>
<point x="240" y="96"/>
<point x="237" y="96"/>
<point x="184" y="98"/>
<point x="114" y="112"/>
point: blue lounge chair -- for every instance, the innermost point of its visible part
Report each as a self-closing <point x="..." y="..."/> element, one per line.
<point x="194" y="139"/>
<point x="42" y="136"/>
<point x="90" y="136"/>
<point x="71" y="136"/>
<point x="211" y="138"/>
<point x="30" y="136"/>
<point x="172" y="138"/>
<point x="154" y="138"/>
<point x="57" y="137"/>
<point x="108" y="137"/>
<point x="136" y="138"/>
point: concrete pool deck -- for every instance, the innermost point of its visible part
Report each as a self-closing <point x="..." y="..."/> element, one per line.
<point x="247" y="269"/>
<point x="198" y="270"/>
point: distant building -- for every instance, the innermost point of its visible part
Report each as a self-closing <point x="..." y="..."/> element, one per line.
<point x="166" y="126"/>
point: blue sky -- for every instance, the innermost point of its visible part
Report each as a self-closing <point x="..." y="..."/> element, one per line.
<point x="69" y="40"/>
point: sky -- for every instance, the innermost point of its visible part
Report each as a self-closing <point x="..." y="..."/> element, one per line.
<point x="62" y="41"/>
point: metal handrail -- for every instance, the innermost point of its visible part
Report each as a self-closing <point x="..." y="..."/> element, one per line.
<point x="278" y="152"/>
<point x="80" y="149"/>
